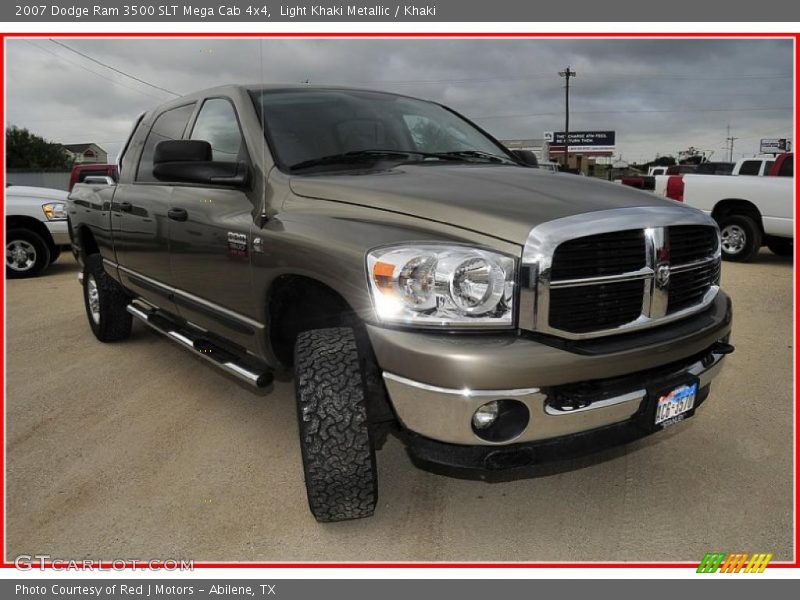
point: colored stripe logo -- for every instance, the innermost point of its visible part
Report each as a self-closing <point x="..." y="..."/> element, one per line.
<point x="740" y="562"/>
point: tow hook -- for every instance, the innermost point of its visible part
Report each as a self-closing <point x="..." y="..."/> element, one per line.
<point x="718" y="348"/>
<point x="722" y="348"/>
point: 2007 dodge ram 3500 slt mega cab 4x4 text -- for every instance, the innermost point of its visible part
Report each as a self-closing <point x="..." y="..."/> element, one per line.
<point x="418" y="278"/>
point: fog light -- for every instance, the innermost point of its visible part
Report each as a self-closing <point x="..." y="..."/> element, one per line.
<point x="486" y="415"/>
<point x="500" y="421"/>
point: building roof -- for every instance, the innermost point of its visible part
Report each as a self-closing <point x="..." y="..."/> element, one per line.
<point x="81" y="148"/>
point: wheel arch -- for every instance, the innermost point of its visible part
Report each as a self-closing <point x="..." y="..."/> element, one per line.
<point x="297" y="303"/>
<point x="31" y="224"/>
<point x="86" y="241"/>
<point x="736" y="206"/>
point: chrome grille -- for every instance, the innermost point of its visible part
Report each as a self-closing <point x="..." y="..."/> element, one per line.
<point x="613" y="279"/>
<point x="688" y="287"/>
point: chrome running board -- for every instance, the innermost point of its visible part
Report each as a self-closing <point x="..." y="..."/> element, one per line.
<point x="241" y="367"/>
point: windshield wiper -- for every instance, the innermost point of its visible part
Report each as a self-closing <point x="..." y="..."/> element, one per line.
<point x="479" y="154"/>
<point x="367" y="155"/>
<point x="352" y="156"/>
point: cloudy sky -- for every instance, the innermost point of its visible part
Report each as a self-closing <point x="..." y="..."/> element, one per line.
<point x="660" y="96"/>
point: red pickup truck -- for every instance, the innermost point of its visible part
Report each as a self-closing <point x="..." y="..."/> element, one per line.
<point x="81" y="172"/>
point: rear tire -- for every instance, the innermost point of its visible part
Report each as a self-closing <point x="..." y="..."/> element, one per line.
<point x="335" y="439"/>
<point x="741" y="238"/>
<point x="27" y="254"/>
<point x="105" y="302"/>
<point x="781" y="246"/>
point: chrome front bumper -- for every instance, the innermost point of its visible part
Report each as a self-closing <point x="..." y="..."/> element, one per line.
<point x="445" y="414"/>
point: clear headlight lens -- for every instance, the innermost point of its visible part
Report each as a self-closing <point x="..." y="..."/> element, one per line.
<point x="55" y="211"/>
<point x="436" y="285"/>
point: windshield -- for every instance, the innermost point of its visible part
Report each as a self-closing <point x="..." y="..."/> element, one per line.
<point x="304" y="126"/>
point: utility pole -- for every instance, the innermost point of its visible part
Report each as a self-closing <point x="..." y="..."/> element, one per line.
<point x="730" y="139"/>
<point x="566" y="73"/>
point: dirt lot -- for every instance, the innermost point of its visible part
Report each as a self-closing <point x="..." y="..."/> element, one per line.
<point x="139" y="450"/>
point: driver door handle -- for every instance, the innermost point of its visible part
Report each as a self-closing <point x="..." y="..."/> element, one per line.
<point x="177" y="214"/>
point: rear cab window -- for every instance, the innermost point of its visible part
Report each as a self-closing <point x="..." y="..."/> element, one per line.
<point x="750" y="167"/>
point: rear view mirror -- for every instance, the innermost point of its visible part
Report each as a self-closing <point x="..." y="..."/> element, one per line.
<point x="190" y="161"/>
<point x="526" y="157"/>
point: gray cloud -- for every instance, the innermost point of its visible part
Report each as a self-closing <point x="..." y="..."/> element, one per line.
<point x="510" y="87"/>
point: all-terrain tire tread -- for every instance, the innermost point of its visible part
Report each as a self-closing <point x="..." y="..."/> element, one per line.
<point x="338" y="454"/>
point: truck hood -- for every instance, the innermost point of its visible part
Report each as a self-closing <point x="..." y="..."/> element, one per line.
<point x="501" y="201"/>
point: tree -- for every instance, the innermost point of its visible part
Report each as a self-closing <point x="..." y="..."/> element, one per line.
<point x="25" y="150"/>
<point x="663" y="161"/>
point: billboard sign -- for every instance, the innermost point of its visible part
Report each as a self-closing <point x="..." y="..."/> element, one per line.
<point x="582" y="141"/>
<point x="775" y="146"/>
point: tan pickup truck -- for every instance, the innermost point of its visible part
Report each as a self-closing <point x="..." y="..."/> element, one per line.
<point x="417" y="278"/>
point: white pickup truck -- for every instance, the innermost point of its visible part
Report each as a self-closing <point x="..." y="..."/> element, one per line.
<point x="36" y="229"/>
<point x="759" y="166"/>
<point x="750" y="211"/>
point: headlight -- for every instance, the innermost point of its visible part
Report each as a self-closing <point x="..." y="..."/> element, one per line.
<point x="432" y="285"/>
<point x="55" y="211"/>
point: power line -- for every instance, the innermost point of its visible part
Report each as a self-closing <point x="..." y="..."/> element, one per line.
<point x="80" y="66"/>
<point x="538" y="76"/>
<point x="116" y="70"/>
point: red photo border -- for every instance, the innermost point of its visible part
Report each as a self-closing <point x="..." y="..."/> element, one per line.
<point x="355" y="35"/>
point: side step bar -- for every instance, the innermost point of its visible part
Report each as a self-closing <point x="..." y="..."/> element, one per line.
<point x="248" y="371"/>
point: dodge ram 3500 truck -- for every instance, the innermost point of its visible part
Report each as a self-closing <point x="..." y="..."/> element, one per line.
<point x="417" y="278"/>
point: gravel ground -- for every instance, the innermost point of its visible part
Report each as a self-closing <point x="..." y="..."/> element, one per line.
<point x="139" y="450"/>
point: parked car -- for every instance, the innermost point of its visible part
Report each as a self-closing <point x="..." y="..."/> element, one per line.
<point x="36" y="229"/>
<point x="750" y="211"/>
<point x="416" y="277"/>
<point x="81" y="172"/>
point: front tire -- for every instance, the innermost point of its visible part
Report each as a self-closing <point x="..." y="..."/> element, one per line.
<point x="27" y="254"/>
<point x="741" y="238"/>
<point x="105" y="302"/>
<point x="335" y="440"/>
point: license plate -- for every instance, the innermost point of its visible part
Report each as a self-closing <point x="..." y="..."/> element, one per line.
<point x="672" y="407"/>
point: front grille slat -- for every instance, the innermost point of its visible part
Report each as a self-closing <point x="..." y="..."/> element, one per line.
<point x="611" y="253"/>
<point x="689" y="243"/>
<point x="688" y="288"/>
<point x="588" y="308"/>
<point x="606" y="305"/>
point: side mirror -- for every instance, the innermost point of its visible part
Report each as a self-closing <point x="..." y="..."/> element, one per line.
<point x="190" y="161"/>
<point x="99" y="180"/>
<point x="527" y="158"/>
